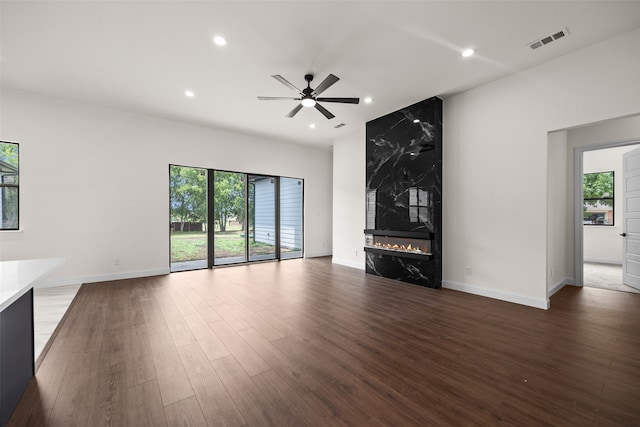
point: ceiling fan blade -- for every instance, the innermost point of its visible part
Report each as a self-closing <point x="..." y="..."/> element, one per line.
<point x="275" y="98"/>
<point x="324" y="111"/>
<point x="326" y="83"/>
<point x="285" y="82"/>
<point x="295" y="110"/>
<point x="342" y="100"/>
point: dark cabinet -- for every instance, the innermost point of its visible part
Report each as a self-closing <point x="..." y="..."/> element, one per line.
<point x="16" y="353"/>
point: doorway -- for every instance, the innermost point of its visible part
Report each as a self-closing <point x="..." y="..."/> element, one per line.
<point x="602" y="216"/>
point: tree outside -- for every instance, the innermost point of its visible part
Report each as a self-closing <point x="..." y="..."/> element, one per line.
<point x="9" y="153"/>
<point x="228" y="193"/>
<point x="188" y="202"/>
<point x="598" y="188"/>
<point x="188" y="192"/>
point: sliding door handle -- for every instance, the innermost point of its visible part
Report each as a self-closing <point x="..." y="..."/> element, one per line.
<point x="623" y="234"/>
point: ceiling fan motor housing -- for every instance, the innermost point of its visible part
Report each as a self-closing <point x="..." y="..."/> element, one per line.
<point x="308" y="91"/>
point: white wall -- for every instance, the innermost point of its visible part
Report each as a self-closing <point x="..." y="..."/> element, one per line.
<point x="495" y="166"/>
<point x="95" y="183"/>
<point x="558" y="273"/>
<point x="349" y="199"/>
<point x="506" y="125"/>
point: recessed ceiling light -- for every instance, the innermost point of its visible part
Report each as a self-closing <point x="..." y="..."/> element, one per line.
<point x="368" y="100"/>
<point x="467" y="53"/>
<point x="312" y="125"/>
<point x="219" y="40"/>
<point x="189" y="93"/>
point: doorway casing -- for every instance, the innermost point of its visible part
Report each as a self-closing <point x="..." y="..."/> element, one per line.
<point x="578" y="181"/>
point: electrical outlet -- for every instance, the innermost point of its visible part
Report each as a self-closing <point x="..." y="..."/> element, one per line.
<point x="356" y="252"/>
<point x="552" y="272"/>
<point x="468" y="271"/>
<point x="116" y="261"/>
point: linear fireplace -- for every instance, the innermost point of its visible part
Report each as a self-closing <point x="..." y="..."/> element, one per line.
<point x="403" y="196"/>
<point x="399" y="244"/>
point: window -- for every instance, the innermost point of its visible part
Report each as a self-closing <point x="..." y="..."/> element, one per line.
<point x="9" y="185"/>
<point x="230" y="228"/>
<point x="223" y="217"/>
<point x="291" y="217"/>
<point x="188" y="213"/>
<point x="598" y="198"/>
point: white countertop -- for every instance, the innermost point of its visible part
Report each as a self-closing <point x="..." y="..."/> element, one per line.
<point x="17" y="277"/>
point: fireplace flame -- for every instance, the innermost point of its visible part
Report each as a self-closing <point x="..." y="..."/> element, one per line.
<point x="396" y="247"/>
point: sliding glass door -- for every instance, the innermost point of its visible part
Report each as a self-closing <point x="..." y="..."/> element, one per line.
<point x="290" y="217"/>
<point x="229" y="235"/>
<point x="262" y="217"/>
<point x="188" y="216"/>
<point x="224" y="217"/>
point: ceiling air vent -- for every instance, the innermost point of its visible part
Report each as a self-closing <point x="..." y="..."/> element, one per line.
<point x="548" y="39"/>
<point x="340" y="125"/>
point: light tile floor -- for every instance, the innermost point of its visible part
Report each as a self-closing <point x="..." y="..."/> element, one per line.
<point x="49" y="305"/>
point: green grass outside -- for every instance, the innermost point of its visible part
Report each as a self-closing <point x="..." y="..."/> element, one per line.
<point x="192" y="246"/>
<point x="188" y="246"/>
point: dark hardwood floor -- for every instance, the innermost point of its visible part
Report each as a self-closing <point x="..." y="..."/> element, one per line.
<point x="305" y="342"/>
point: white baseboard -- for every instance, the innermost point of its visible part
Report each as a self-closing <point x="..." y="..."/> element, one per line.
<point x="561" y="284"/>
<point x="491" y="293"/>
<point x="101" y="278"/>
<point x="604" y="261"/>
<point x="346" y="263"/>
<point x="317" y="254"/>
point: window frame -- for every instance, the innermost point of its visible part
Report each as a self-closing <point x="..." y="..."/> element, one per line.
<point x="15" y="185"/>
<point x="596" y="199"/>
<point x="210" y="220"/>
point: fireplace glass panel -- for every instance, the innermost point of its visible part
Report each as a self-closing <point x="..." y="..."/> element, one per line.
<point x="399" y="244"/>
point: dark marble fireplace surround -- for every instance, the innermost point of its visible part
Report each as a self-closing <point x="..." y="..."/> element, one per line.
<point x="403" y="239"/>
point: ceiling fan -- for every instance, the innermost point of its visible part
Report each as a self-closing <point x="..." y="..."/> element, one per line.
<point x="308" y="96"/>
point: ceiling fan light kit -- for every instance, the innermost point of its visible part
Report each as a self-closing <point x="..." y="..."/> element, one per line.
<point x="308" y="102"/>
<point x="309" y="97"/>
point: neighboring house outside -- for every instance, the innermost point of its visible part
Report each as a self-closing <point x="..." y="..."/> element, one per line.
<point x="599" y="214"/>
<point x="290" y="213"/>
<point x="264" y="211"/>
<point x="291" y="222"/>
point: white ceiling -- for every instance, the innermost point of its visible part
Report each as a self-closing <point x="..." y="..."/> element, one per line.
<point x="142" y="55"/>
